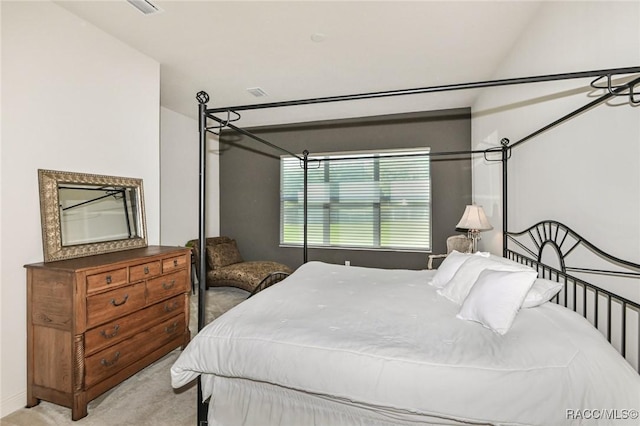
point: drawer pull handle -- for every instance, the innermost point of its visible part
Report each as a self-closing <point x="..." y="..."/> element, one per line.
<point x="170" y="329"/>
<point x="175" y="263"/>
<point x="170" y="307"/>
<point x="114" y="334"/>
<point x="146" y="270"/>
<point x="108" y="279"/>
<point x="112" y="362"/>
<point x="168" y="286"/>
<point x="114" y="303"/>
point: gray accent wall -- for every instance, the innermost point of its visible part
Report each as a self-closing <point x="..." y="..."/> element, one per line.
<point x="250" y="180"/>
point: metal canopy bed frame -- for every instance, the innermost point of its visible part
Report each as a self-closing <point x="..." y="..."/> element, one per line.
<point x="577" y="294"/>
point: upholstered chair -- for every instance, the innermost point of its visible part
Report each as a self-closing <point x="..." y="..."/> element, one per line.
<point x="226" y="267"/>
<point x="460" y="243"/>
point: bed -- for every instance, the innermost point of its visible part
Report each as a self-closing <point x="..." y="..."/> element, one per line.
<point x="344" y="345"/>
<point x="336" y="345"/>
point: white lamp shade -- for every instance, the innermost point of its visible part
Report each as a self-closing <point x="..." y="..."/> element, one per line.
<point x="474" y="219"/>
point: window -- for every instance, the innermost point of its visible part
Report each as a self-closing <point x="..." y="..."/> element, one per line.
<point x="366" y="200"/>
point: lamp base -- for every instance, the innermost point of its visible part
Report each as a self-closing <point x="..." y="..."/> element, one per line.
<point x="474" y="236"/>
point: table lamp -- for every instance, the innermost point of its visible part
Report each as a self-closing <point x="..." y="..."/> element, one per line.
<point x="474" y="221"/>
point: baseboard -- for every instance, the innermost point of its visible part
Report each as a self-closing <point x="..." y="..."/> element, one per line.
<point x="12" y="403"/>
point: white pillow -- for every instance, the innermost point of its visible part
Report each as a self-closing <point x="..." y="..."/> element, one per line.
<point x="541" y="292"/>
<point x="496" y="297"/>
<point x="450" y="265"/>
<point x="508" y="261"/>
<point x="458" y="287"/>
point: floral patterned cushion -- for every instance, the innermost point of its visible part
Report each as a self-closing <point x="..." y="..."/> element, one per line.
<point x="223" y="254"/>
<point x="246" y="275"/>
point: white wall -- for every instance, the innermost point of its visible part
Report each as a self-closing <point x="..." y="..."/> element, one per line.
<point x="586" y="172"/>
<point x="74" y="99"/>
<point x="179" y="159"/>
<point x="2" y="297"/>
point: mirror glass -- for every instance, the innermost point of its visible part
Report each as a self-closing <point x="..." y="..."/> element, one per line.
<point x="84" y="214"/>
<point x="94" y="213"/>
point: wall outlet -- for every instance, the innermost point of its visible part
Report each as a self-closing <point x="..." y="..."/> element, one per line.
<point x="347" y="263"/>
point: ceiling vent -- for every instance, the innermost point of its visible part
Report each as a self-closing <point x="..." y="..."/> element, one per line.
<point x="145" y="6"/>
<point x="257" y="92"/>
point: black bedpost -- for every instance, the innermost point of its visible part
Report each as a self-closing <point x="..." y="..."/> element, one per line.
<point x="305" y="167"/>
<point x="202" y="98"/>
<point x="505" y="156"/>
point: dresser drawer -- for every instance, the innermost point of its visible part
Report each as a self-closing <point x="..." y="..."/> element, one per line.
<point x="113" y="304"/>
<point x="113" y="332"/>
<point x="113" y="359"/>
<point x="144" y="271"/>
<point x="105" y="280"/>
<point x="166" y="286"/>
<point x="175" y="263"/>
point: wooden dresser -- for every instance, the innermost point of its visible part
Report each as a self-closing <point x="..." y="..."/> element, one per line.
<point x="94" y="321"/>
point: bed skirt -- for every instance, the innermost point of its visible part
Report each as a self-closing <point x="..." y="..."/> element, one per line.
<point x="250" y="403"/>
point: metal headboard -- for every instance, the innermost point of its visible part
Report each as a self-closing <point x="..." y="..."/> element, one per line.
<point x="617" y="317"/>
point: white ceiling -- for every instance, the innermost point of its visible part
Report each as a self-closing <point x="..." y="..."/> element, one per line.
<point x="225" y="47"/>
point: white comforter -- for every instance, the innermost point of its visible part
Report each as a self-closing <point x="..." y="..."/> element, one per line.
<point x="385" y="339"/>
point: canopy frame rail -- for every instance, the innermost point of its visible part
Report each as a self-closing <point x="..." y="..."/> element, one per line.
<point x="441" y="88"/>
<point x="610" y="93"/>
<point x="617" y="90"/>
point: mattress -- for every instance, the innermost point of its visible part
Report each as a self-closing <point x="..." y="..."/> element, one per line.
<point x="384" y="340"/>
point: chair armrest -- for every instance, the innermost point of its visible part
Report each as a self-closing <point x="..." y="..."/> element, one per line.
<point x="434" y="256"/>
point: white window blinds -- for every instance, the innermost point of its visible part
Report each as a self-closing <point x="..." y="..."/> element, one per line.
<point x="369" y="200"/>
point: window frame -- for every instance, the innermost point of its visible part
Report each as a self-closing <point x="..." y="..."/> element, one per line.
<point x="318" y="158"/>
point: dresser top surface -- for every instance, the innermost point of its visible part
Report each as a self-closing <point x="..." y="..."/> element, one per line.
<point x="109" y="258"/>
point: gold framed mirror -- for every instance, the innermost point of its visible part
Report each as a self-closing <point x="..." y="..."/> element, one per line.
<point x="85" y="214"/>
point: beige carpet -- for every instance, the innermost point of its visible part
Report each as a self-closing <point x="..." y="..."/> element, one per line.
<point x="145" y="399"/>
